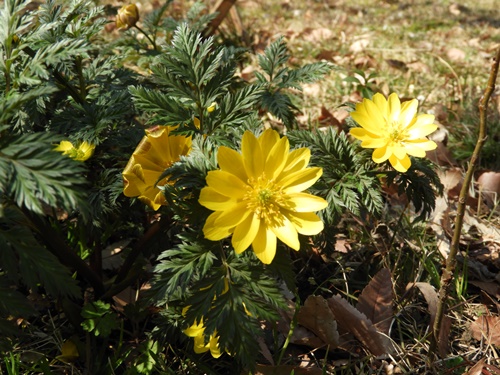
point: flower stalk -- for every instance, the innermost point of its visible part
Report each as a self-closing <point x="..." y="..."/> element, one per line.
<point x="451" y="261"/>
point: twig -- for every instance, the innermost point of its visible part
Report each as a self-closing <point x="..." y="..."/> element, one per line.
<point x="451" y="261"/>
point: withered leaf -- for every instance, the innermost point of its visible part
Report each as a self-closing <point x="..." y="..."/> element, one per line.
<point x="431" y="297"/>
<point x="486" y="328"/>
<point x="316" y="316"/>
<point x="351" y="319"/>
<point x="376" y="301"/>
<point x="287" y="370"/>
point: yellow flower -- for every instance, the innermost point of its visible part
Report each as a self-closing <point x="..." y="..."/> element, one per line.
<point x="157" y="151"/>
<point x="127" y="16"/>
<point x="393" y="129"/>
<point x="197" y="331"/>
<point x="212" y="107"/>
<point x="82" y="152"/>
<point x="258" y="195"/>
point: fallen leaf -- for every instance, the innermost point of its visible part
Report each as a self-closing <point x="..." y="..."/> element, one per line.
<point x="486" y="327"/>
<point x="359" y="45"/>
<point x="397" y="64"/>
<point x="441" y="155"/>
<point x="316" y="316"/>
<point x="492" y="288"/>
<point x="477" y="369"/>
<point x="376" y="301"/>
<point x="287" y="370"/>
<point x="351" y="319"/>
<point x="455" y="54"/>
<point x="489" y="186"/>
<point x="431" y="297"/>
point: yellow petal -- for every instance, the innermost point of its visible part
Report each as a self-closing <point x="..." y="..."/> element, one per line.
<point x="277" y="158"/>
<point x="232" y="162"/>
<point x="245" y="233"/>
<point x="200" y="346"/>
<point x="307" y="223"/>
<point x="399" y="151"/>
<point x="394" y="107"/>
<point x="214" y="346"/>
<point x="214" y="232"/>
<point x="300" y="180"/>
<point x="374" y="143"/>
<point x="64" y="146"/>
<point x="381" y="154"/>
<point x="215" y="201"/>
<point x="423" y="143"/>
<point x="381" y="102"/>
<point x="268" y="139"/>
<point x="297" y="160"/>
<point x="253" y="159"/>
<point x="401" y="165"/>
<point x="287" y="234"/>
<point x="408" y="112"/>
<point x="233" y="216"/>
<point x="303" y="202"/>
<point x="264" y="245"/>
<point x="226" y="183"/>
<point x="196" y="329"/>
<point x="414" y="150"/>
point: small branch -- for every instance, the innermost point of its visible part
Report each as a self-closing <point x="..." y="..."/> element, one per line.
<point x="148" y="37"/>
<point x="451" y="261"/>
<point x="222" y="9"/>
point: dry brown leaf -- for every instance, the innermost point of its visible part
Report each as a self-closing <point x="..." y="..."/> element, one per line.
<point x="477" y="369"/>
<point x="376" y="301"/>
<point x="342" y="246"/>
<point x="492" y="288"/>
<point x="486" y="328"/>
<point x="359" y="45"/>
<point x="455" y="54"/>
<point x="316" y="316"/>
<point x="397" y="64"/>
<point x="431" y="297"/>
<point x="351" y="319"/>
<point x="489" y="185"/>
<point x="441" y="155"/>
<point x="317" y="35"/>
<point x="287" y="370"/>
<point x="452" y="181"/>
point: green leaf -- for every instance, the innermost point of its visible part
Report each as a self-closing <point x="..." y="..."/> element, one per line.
<point x="33" y="174"/>
<point x="99" y="319"/>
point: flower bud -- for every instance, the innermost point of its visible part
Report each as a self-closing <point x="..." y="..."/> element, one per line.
<point x="127" y="16"/>
<point x="212" y="107"/>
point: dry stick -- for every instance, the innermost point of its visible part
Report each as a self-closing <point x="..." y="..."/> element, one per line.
<point x="222" y="9"/>
<point x="451" y="261"/>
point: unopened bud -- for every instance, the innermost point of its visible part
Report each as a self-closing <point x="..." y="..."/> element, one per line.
<point x="127" y="16"/>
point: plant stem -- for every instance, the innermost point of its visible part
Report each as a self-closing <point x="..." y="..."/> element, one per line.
<point x="451" y="261"/>
<point x="147" y="36"/>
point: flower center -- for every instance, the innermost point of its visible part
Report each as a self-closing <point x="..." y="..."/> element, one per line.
<point x="265" y="199"/>
<point x="396" y="133"/>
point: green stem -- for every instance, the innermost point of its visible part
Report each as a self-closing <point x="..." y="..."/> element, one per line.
<point x="81" y="78"/>
<point x="147" y="36"/>
<point x="451" y="261"/>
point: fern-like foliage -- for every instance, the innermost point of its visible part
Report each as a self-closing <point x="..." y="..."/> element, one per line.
<point x="349" y="180"/>
<point x="32" y="174"/>
<point x="421" y="184"/>
<point x="278" y="79"/>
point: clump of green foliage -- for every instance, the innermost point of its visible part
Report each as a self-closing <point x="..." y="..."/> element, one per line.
<point x="58" y="215"/>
